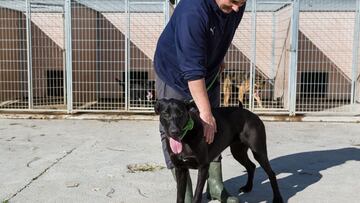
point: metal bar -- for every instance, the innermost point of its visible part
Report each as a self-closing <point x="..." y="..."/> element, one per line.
<point x="253" y="56"/>
<point x="133" y="110"/>
<point x="98" y="38"/>
<point x="22" y="57"/>
<point x="355" y="54"/>
<point x="33" y="110"/>
<point x="42" y="12"/>
<point x="88" y="104"/>
<point x="273" y="69"/>
<point x="146" y="3"/>
<point x="68" y="50"/>
<point x="294" y="56"/>
<point x="29" y="54"/>
<point x="328" y="114"/>
<point x="151" y="111"/>
<point x="127" y="54"/>
<point x="47" y="4"/>
<point x="9" y="102"/>
<point x="64" y="59"/>
<point x="64" y="78"/>
<point x="333" y="116"/>
<point x="282" y="7"/>
<point x="166" y="12"/>
<point x="159" y="11"/>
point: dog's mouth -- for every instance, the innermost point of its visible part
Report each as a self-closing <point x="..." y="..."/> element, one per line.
<point x="176" y="146"/>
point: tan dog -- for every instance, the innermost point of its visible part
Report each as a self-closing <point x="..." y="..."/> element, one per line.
<point x="227" y="86"/>
<point x="243" y="86"/>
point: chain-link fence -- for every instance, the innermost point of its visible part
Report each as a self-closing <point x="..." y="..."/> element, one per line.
<point x="287" y="56"/>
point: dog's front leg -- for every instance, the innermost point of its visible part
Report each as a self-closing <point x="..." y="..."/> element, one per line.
<point x="203" y="174"/>
<point x="181" y="178"/>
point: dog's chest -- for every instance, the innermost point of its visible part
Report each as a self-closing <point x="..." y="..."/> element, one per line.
<point x="187" y="158"/>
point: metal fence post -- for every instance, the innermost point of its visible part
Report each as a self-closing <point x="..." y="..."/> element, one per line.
<point x="294" y="57"/>
<point x="127" y="54"/>
<point x="273" y="41"/>
<point x="68" y="50"/>
<point x="29" y="54"/>
<point x="166" y="12"/>
<point x="355" y="53"/>
<point x="253" y="55"/>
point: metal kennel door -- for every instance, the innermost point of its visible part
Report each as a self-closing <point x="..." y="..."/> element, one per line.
<point x="145" y="23"/>
<point x="273" y="56"/>
<point x="46" y="55"/>
<point x="327" y="70"/>
<point x="261" y="58"/>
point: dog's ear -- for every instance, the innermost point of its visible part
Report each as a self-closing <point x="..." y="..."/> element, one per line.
<point x="158" y="106"/>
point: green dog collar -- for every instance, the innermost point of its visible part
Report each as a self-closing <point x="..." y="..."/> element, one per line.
<point x="189" y="126"/>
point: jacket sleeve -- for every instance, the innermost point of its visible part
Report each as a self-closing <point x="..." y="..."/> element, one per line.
<point x="190" y="42"/>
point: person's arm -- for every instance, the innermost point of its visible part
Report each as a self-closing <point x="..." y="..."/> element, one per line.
<point x="199" y="94"/>
<point x="190" y="42"/>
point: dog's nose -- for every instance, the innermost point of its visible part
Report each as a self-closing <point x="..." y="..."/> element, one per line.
<point x="174" y="131"/>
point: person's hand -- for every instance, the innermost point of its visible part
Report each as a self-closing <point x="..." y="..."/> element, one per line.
<point x="209" y="125"/>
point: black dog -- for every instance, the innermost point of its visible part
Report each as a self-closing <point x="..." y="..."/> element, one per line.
<point x="236" y="127"/>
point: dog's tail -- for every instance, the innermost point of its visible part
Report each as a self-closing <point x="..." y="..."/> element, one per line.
<point x="241" y="105"/>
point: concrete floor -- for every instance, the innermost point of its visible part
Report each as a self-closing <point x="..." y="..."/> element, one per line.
<point x="86" y="161"/>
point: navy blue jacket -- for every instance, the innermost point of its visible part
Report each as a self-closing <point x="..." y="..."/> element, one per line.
<point x="194" y="43"/>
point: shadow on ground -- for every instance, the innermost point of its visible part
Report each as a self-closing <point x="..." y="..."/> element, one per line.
<point x="295" y="173"/>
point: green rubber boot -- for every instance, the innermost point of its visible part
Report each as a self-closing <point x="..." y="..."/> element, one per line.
<point x="215" y="187"/>
<point x="189" y="192"/>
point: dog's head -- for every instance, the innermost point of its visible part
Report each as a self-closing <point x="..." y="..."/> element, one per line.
<point x="174" y="116"/>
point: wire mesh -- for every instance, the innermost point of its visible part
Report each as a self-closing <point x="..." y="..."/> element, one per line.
<point x="146" y="25"/>
<point x="237" y="63"/>
<point x="325" y="59"/>
<point x="112" y="56"/>
<point x="47" y="51"/>
<point x="98" y="43"/>
<point x="101" y="30"/>
<point x="272" y="59"/>
<point x="13" y="61"/>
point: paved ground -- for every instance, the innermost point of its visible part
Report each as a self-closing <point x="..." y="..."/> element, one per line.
<point x="86" y="161"/>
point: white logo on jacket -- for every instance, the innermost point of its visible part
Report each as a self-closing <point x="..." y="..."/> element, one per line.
<point x="212" y="30"/>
